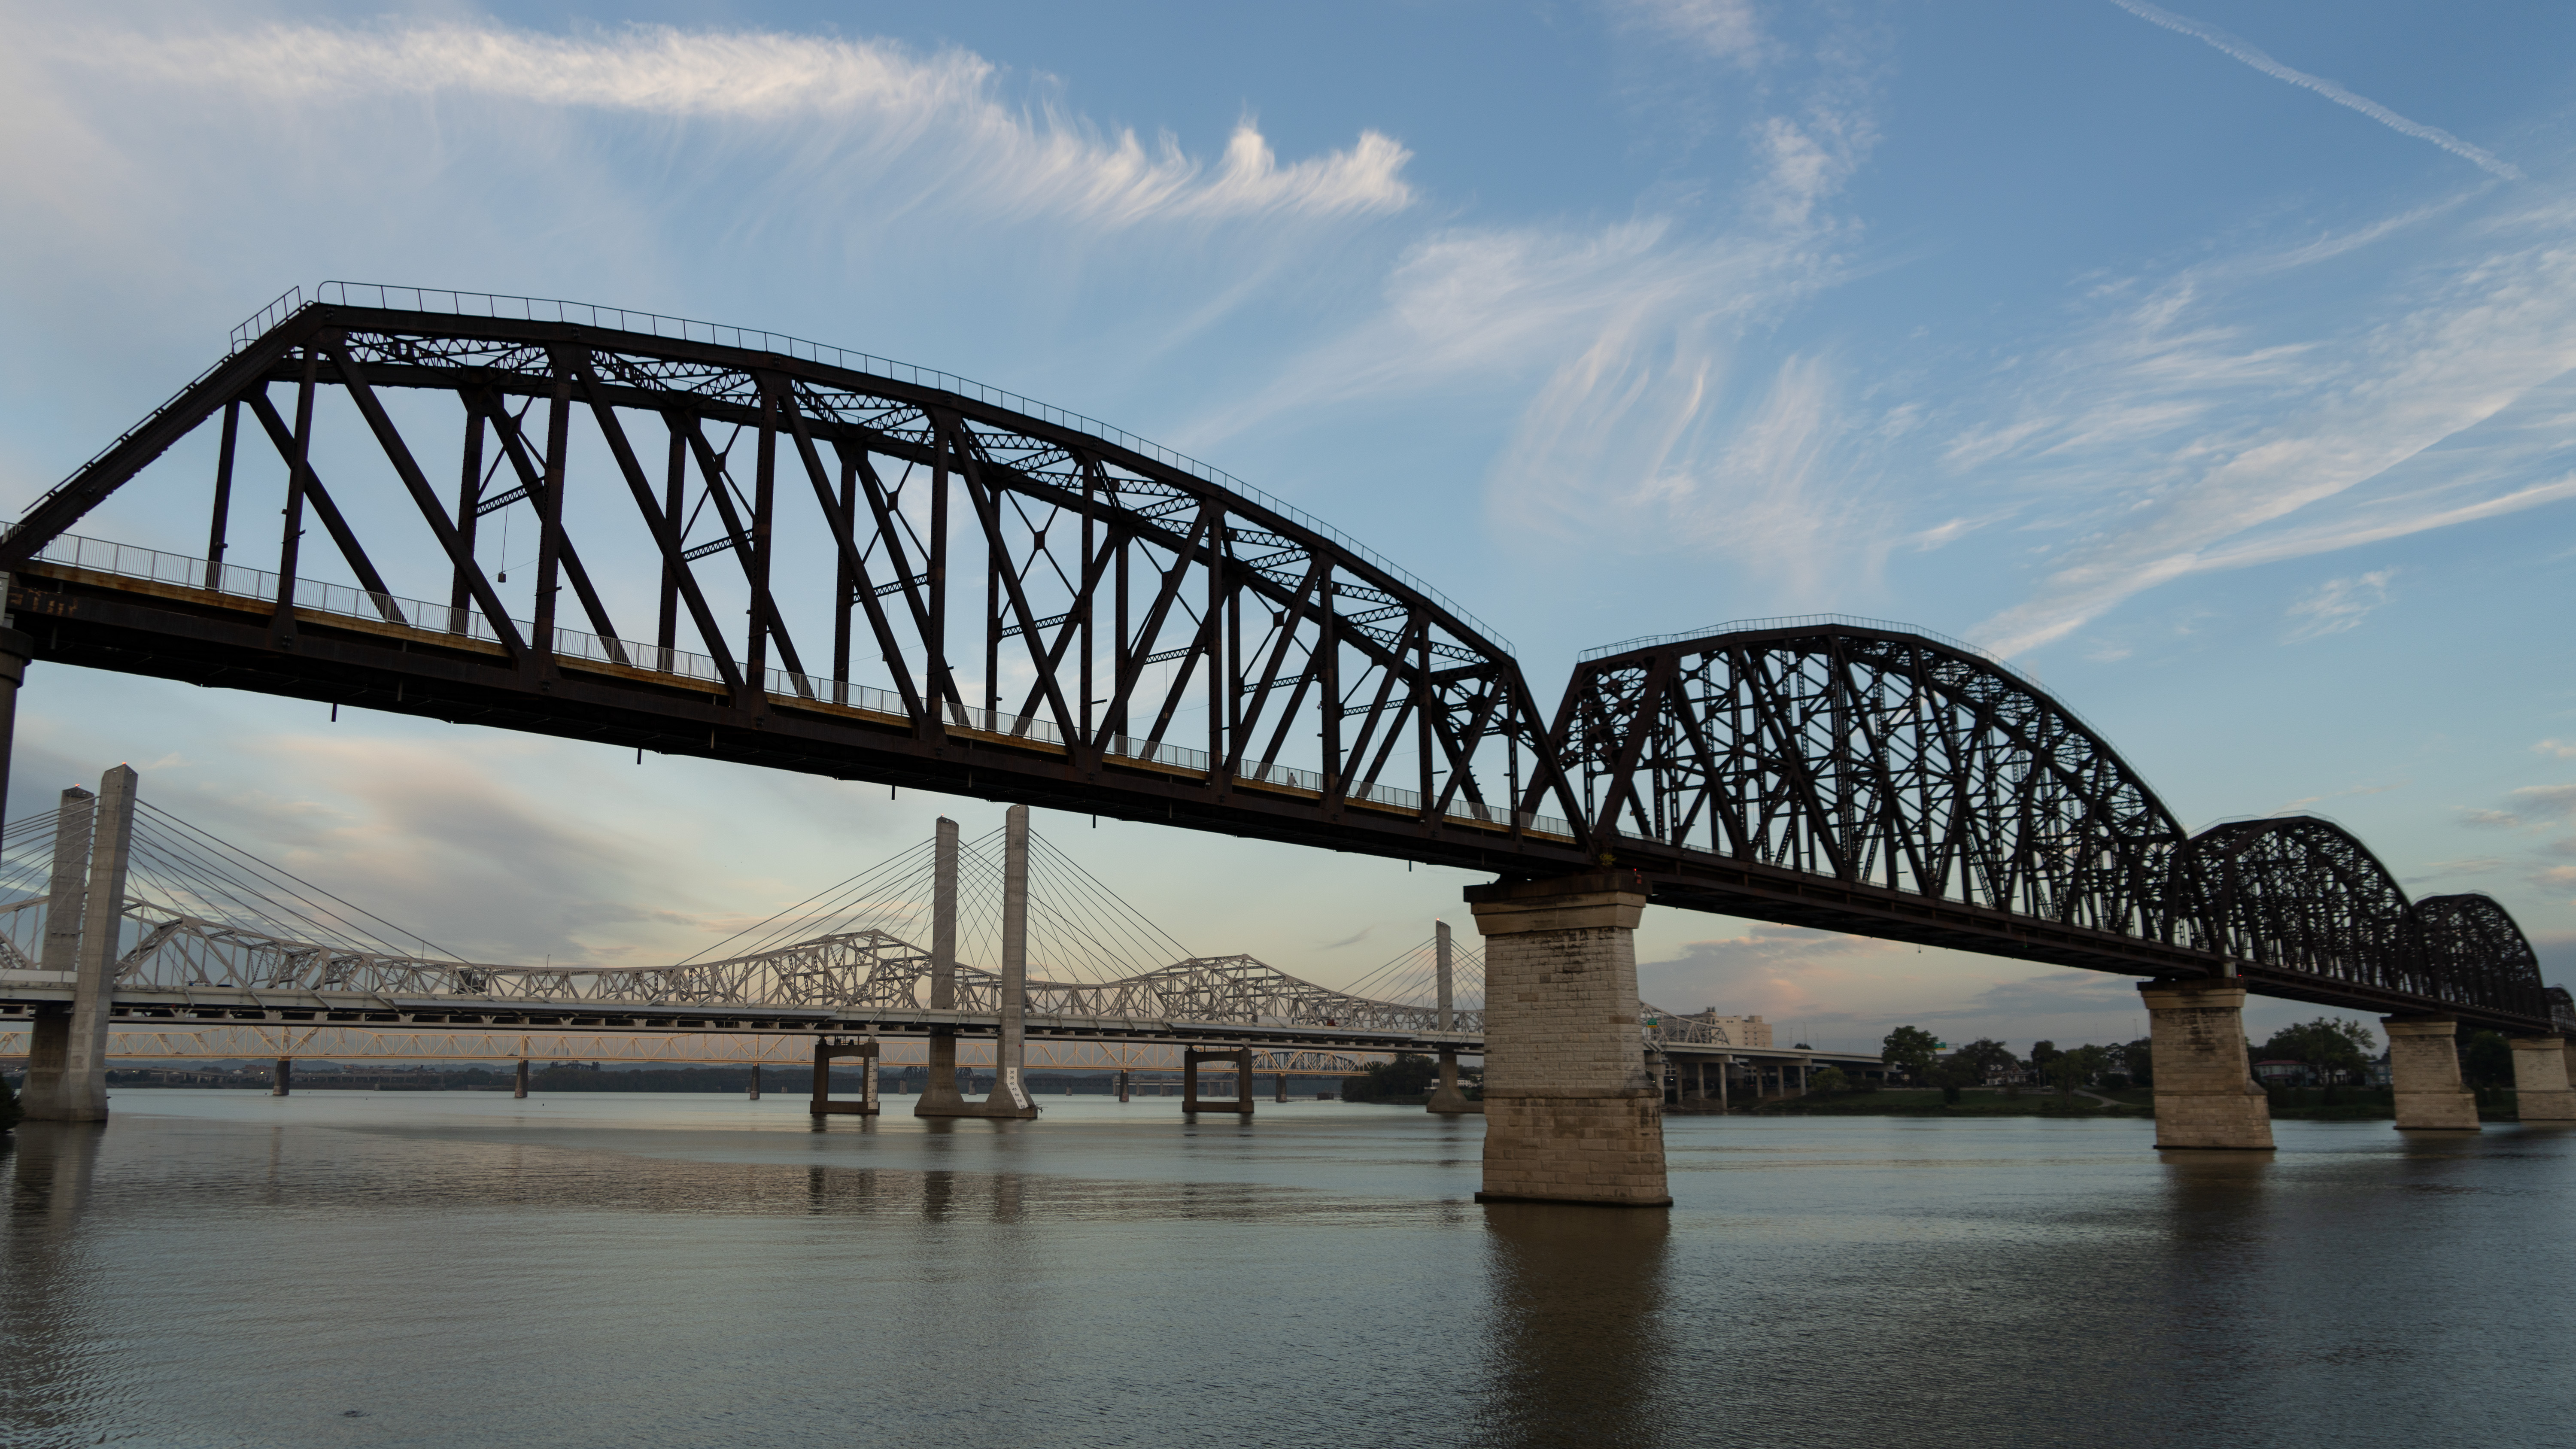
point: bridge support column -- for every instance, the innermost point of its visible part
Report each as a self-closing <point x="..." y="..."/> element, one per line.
<point x="2424" y="1075"/>
<point x="1192" y="1103"/>
<point x="1446" y="1099"/>
<point x="50" y="1040"/>
<point x="825" y="1053"/>
<point x="755" y="1082"/>
<point x="1279" y="1086"/>
<point x="281" y="1083"/>
<point x="939" y="1096"/>
<point x="1122" y="1084"/>
<point x="80" y="1092"/>
<point x="519" y="1080"/>
<point x="2205" y="1092"/>
<point x="1570" y="1114"/>
<point x="1010" y="1095"/>
<point x="2540" y="1086"/>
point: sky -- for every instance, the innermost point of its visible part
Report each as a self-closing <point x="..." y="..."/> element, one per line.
<point x="2213" y="367"/>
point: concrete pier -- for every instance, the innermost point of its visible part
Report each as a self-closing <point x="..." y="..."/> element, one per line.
<point x="2424" y="1075"/>
<point x="2540" y="1085"/>
<point x="1570" y="1113"/>
<point x="50" y="1038"/>
<point x="78" y="1091"/>
<point x="519" y="1080"/>
<point x="281" y="1083"/>
<point x="1122" y="1084"/>
<point x="1010" y="1095"/>
<point x="755" y="1082"/>
<point x="2205" y="1092"/>
<point x="1445" y="1096"/>
<point x="827" y="1052"/>
<point x="939" y="1096"/>
<point x="1192" y="1103"/>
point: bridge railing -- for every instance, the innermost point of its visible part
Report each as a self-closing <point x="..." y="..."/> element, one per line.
<point x="133" y="561"/>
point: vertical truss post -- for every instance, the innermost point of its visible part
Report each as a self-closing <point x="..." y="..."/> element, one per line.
<point x="1089" y="602"/>
<point x="282" y="626"/>
<point x="845" y="588"/>
<point x="469" y="504"/>
<point x="764" y="495"/>
<point x="943" y="681"/>
<point x="541" y="656"/>
<point x="1328" y="668"/>
<point x="223" y="497"/>
<point x="666" y="635"/>
<point x="1122" y="648"/>
<point x="1219" y="667"/>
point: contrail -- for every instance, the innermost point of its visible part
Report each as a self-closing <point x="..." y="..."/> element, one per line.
<point x="2221" y="40"/>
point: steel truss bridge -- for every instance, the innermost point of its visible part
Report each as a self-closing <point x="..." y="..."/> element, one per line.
<point x="838" y="560"/>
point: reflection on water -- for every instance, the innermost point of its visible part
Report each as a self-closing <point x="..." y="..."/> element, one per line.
<point x="351" y="1268"/>
<point x="1574" y="1293"/>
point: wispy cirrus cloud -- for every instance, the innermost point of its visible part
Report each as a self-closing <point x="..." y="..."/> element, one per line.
<point x="2185" y="431"/>
<point x="882" y="103"/>
<point x="2338" y="605"/>
<point x="2239" y="49"/>
<point x="1720" y="29"/>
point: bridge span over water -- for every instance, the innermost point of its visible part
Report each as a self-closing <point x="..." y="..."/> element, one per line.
<point x="831" y="563"/>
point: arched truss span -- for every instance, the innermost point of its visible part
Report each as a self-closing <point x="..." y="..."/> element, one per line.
<point x="792" y="557"/>
<point x="1875" y="757"/>
<point x="2468" y="949"/>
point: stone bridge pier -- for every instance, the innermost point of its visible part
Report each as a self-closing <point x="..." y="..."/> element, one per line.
<point x="1570" y="1113"/>
<point x="2205" y="1092"/>
<point x="2540" y="1081"/>
<point x="2424" y="1074"/>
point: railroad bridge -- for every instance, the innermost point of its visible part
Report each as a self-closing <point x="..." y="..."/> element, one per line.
<point x="832" y="563"/>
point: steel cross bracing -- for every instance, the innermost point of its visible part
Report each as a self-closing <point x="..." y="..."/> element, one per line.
<point x="1942" y="792"/>
<point x="860" y="570"/>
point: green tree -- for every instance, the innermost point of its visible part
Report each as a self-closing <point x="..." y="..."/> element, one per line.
<point x="2486" y="1060"/>
<point x="2068" y="1070"/>
<point x="2138" y="1059"/>
<point x="1829" y="1081"/>
<point x="2335" y="1047"/>
<point x="2042" y="1053"/>
<point x="1407" y="1076"/>
<point x="1909" y="1049"/>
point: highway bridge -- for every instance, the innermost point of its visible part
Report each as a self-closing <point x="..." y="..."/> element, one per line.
<point x="839" y="560"/>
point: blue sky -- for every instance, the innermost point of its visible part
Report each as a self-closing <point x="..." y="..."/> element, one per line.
<point x="2212" y="365"/>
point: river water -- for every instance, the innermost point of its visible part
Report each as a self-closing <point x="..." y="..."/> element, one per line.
<point x="351" y="1268"/>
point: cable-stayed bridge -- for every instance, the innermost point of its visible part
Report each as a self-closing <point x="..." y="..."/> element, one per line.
<point x="220" y="953"/>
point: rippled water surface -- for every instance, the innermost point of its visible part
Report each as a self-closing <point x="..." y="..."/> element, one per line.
<point x="218" y="1268"/>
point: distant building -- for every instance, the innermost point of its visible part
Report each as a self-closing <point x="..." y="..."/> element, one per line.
<point x="2283" y="1073"/>
<point x="1738" y="1031"/>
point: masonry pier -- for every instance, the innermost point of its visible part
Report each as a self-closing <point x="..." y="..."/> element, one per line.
<point x="1570" y="1113"/>
<point x="281" y="1082"/>
<point x="519" y="1079"/>
<point x="2424" y="1075"/>
<point x="825" y="1053"/>
<point x="2540" y="1081"/>
<point x="2205" y="1091"/>
<point x="1192" y="1102"/>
